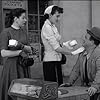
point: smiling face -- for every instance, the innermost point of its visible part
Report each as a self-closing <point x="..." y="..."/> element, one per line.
<point x="21" y="20"/>
<point x="55" y="17"/>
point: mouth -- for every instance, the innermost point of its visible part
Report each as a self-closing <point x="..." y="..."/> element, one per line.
<point x="24" y="24"/>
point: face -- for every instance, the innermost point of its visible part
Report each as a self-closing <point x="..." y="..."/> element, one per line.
<point x="21" y="21"/>
<point x="87" y="42"/>
<point x="55" y="17"/>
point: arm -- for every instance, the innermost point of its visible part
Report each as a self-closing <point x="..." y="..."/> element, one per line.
<point x="49" y="35"/>
<point x="63" y="50"/>
<point x="8" y="53"/>
<point x="96" y="83"/>
<point x="4" y="42"/>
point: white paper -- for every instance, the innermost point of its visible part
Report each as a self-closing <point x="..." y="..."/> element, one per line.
<point x="13" y="42"/>
<point x="79" y="50"/>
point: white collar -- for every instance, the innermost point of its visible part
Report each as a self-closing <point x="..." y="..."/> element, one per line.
<point x="15" y="27"/>
<point x="50" y="23"/>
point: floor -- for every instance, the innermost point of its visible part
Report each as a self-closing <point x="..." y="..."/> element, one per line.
<point x="36" y="73"/>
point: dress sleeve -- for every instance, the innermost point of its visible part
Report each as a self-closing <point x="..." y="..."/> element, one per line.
<point x="49" y="35"/>
<point x="4" y="39"/>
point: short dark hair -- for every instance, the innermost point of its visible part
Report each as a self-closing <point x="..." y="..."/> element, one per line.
<point x="56" y="8"/>
<point x="14" y="13"/>
<point x="96" y="42"/>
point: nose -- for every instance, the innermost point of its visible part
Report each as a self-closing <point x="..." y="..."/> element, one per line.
<point x="25" y="20"/>
<point x="83" y="41"/>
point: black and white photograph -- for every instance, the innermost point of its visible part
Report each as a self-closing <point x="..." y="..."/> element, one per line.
<point x="49" y="49"/>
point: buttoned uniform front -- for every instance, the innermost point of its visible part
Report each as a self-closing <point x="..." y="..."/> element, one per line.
<point x="51" y="40"/>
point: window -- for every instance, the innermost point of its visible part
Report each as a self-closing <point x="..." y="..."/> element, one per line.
<point x="35" y="14"/>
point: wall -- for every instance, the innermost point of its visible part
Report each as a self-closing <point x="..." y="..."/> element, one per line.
<point x="96" y="13"/>
<point x="1" y="15"/>
<point x="1" y="25"/>
<point x="75" y="20"/>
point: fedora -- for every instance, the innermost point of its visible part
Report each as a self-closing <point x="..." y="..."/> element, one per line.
<point x="94" y="32"/>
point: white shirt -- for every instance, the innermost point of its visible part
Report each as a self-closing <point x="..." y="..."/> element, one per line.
<point x="50" y="38"/>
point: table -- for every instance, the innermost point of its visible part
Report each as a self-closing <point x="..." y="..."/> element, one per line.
<point x="50" y="90"/>
<point x="74" y="93"/>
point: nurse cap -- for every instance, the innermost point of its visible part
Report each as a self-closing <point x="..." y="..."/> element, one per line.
<point x="48" y="9"/>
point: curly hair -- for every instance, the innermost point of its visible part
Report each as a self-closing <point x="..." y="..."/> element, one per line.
<point x="14" y="13"/>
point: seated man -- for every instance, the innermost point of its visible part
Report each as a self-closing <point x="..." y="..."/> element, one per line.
<point x="88" y="64"/>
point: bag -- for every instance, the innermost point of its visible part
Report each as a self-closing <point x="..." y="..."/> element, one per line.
<point x="25" y="60"/>
<point x="63" y="59"/>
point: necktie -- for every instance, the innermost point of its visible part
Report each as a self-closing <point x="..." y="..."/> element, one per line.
<point x="86" y="75"/>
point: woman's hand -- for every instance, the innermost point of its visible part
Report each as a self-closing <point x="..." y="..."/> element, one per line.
<point x="27" y="49"/>
<point x="92" y="91"/>
<point x="66" y="51"/>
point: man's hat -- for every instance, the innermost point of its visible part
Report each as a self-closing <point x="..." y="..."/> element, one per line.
<point x="94" y="32"/>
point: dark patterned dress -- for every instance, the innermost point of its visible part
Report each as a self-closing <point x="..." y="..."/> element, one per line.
<point x="11" y="69"/>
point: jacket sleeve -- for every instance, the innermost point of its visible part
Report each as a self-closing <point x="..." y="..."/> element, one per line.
<point x="49" y="35"/>
<point x="75" y="72"/>
<point x="96" y="82"/>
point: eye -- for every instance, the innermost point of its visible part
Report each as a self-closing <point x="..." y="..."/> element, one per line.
<point x="85" y="37"/>
<point x="58" y="16"/>
<point x="23" y="17"/>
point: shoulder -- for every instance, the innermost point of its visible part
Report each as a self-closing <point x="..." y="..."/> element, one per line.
<point x="46" y="26"/>
<point x="6" y="31"/>
<point x="46" y="30"/>
<point x="96" y="52"/>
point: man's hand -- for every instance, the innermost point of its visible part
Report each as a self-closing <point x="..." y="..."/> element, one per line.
<point x="92" y="91"/>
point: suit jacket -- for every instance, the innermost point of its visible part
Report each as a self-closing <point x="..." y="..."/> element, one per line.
<point x="93" y="69"/>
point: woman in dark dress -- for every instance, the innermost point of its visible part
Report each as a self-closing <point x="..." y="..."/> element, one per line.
<point x="11" y="68"/>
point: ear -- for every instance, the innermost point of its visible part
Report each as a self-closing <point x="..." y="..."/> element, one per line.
<point x="50" y="15"/>
<point x="15" y="18"/>
<point x="92" y="41"/>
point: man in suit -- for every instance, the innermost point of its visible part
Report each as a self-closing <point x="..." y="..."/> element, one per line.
<point x="88" y="64"/>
